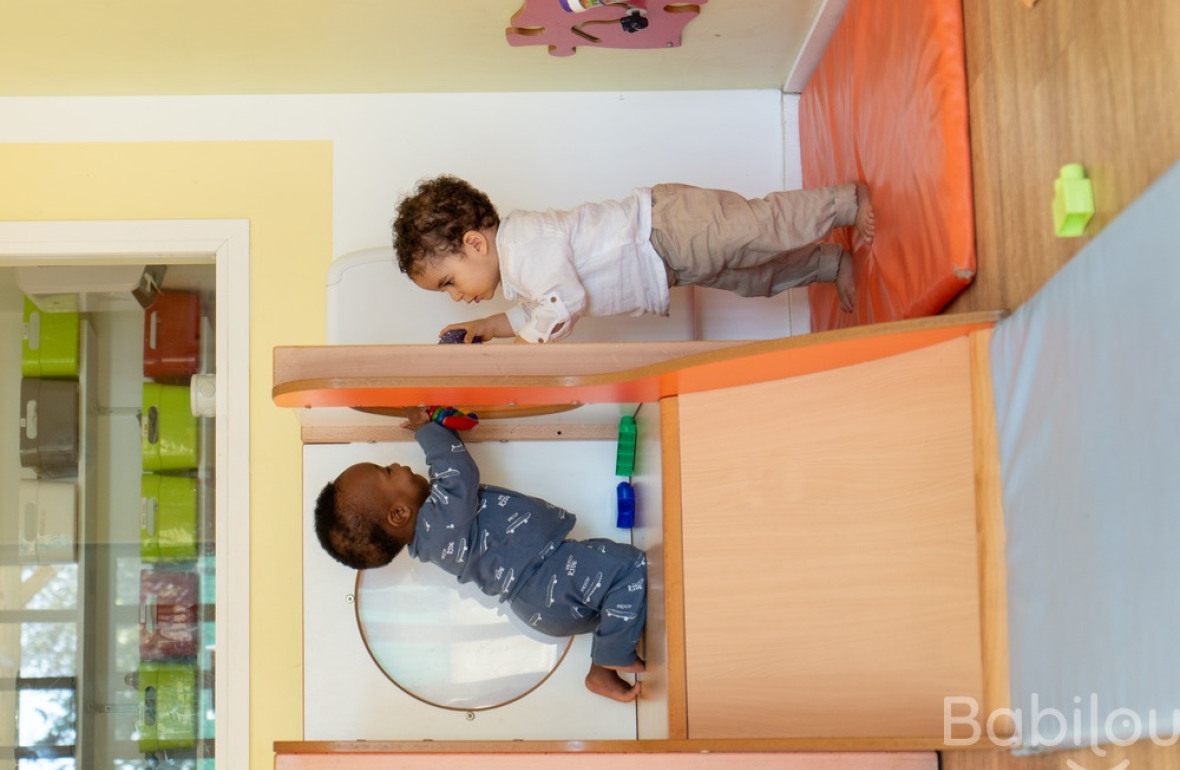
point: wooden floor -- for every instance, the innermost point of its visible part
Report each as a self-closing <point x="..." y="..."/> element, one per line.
<point x="1091" y="81"/>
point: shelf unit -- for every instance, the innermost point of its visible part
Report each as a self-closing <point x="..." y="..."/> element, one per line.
<point x="105" y="712"/>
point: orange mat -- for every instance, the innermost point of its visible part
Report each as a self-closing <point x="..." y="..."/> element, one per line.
<point x="888" y="105"/>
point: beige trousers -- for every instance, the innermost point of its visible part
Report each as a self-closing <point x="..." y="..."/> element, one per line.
<point x="755" y="248"/>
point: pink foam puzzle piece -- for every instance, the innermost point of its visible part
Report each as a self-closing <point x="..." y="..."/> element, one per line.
<point x="545" y="22"/>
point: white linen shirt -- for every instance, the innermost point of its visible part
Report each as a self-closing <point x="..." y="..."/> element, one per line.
<point x="596" y="259"/>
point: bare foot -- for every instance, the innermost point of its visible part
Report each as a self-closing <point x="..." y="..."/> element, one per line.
<point x="846" y="283"/>
<point x="638" y="667"/>
<point x="607" y="682"/>
<point x="866" y="220"/>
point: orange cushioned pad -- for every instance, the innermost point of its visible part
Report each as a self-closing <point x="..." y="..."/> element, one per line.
<point x="888" y="105"/>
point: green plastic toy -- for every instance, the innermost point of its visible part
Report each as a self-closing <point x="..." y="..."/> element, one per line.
<point x="625" y="466"/>
<point x="1073" y="201"/>
<point x="625" y="455"/>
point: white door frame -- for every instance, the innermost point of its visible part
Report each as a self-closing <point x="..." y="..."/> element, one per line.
<point x="226" y="244"/>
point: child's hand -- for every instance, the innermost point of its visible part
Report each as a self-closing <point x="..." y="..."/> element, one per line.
<point x="417" y="419"/>
<point x="446" y="416"/>
<point x="452" y="417"/>
<point x="458" y="334"/>
<point x="481" y="329"/>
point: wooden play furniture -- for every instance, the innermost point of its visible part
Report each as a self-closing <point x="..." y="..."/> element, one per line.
<point x="831" y="565"/>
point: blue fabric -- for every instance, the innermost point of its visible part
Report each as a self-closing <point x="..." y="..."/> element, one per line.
<point x="590" y="585"/>
<point x="479" y="533"/>
<point x="1086" y="377"/>
<point x="513" y="547"/>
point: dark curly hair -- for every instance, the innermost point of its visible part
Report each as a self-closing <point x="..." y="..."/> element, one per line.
<point x="350" y="537"/>
<point x="432" y="220"/>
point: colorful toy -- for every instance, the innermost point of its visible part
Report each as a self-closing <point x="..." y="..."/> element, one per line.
<point x="1073" y="201"/>
<point x="634" y="21"/>
<point x="625" y="466"/>
<point x="626" y="497"/>
<point x="450" y="417"/>
<point x="455" y="336"/>
<point x="577" y="6"/>
<point x="625" y="454"/>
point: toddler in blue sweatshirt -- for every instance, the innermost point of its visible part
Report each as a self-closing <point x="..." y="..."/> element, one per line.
<point x="512" y="546"/>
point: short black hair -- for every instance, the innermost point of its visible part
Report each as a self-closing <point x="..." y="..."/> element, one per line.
<point x="432" y="220"/>
<point x="348" y="535"/>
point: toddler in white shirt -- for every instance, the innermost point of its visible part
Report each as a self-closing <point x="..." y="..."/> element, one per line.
<point x="620" y="257"/>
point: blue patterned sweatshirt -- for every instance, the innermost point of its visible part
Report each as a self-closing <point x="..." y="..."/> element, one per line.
<point x="480" y="533"/>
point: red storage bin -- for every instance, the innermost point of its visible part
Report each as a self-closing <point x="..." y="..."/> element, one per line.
<point x="168" y="625"/>
<point x="172" y="337"/>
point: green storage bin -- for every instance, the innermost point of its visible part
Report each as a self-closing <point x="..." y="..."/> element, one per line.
<point x="167" y="706"/>
<point x="168" y="518"/>
<point x="168" y="428"/>
<point x="49" y="345"/>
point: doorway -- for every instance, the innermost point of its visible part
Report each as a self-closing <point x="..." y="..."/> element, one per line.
<point x="73" y="688"/>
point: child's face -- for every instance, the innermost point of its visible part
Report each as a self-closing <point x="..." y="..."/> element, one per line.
<point x="470" y="275"/>
<point x="393" y="492"/>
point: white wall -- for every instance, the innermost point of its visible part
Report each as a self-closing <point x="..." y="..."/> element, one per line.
<point x="527" y="150"/>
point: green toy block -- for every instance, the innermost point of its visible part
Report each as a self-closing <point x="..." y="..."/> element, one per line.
<point x="625" y="456"/>
<point x="1073" y="201"/>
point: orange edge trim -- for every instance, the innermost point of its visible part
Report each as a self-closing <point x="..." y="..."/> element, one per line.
<point x="648" y="384"/>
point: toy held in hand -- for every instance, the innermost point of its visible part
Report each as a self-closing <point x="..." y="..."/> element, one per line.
<point x="455" y="336"/>
<point x="450" y="417"/>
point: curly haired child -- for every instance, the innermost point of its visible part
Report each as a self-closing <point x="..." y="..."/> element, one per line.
<point x="620" y="257"/>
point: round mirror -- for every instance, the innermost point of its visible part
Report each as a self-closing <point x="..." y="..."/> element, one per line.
<point x="447" y="643"/>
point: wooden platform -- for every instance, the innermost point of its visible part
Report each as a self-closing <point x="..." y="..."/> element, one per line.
<point x="508" y="375"/>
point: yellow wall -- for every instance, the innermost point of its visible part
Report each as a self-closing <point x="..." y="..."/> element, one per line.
<point x="130" y="47"/>
<point x="285" y="190"/>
